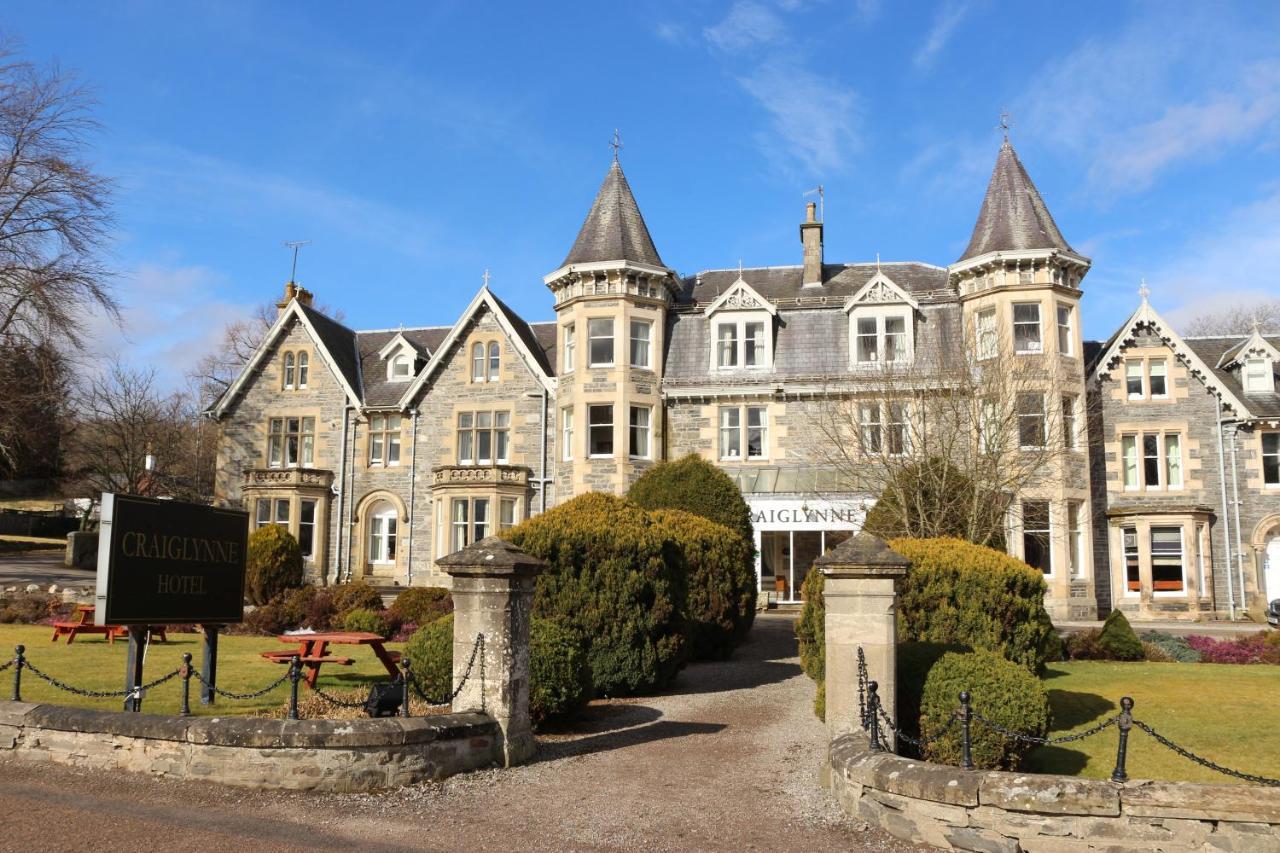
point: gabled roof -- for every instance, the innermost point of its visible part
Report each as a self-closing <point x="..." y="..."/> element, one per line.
<point x="741" y="296"/>
<point x="401" y="342"/>
<point x="525" y="342"/>
<point x="880" y="290"/>
<point x="1198" y="354"/>
<point x="839" y="281"/>
<point x="1255" y="343"/>
<point x="614" y="230"/>
<point x="379" y="391"/>
<point x="1013" y="217"/>
<point x="335" y="343"/>
<point x="1213" y="350"/>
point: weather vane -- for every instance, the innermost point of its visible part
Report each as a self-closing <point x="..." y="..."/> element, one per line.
<point x="295" y="245"/>
<point x="1005" y="124"/>
<point x="616" y="144"/>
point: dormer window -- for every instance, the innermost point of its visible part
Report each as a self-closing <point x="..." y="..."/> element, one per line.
<point x="1259" y="376"/>
<point x="401" y="358"/>
<point x="881" y="337"/>
<point x="741" y="342"/>
<point x="401" y="368"/>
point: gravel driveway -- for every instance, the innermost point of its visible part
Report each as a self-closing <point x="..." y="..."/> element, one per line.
<point x="725" y="761"/>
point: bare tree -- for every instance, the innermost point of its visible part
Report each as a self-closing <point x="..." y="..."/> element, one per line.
<point x="947" y="441"/>
<point x="1237" y="320"/>
<point x="54" y="219"/>
<point x="34" y="389"/>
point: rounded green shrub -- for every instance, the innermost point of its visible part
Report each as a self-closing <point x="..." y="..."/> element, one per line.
<point x="352" y="595"/>
<point x="614" y="579"/>
<point x="1117" y="640"/>
<point x="422" y="604"/>
<point x="694" y="485"/>
<point x="720" y="604"/>
<point x="370" y="621"/>
<point x="969" y="595"/>
<point x="1001" y="691"/>
<point x="559" y="678"/>
<point x="811" y="631"/>
<point x="272" y="565"/>
<point x="935" y="498"/>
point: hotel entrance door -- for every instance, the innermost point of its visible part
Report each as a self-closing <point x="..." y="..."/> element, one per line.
<point x="786" y="557"/>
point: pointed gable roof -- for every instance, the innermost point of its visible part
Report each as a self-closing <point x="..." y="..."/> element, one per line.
<point x="614" y="230"/>
<point x="1013" y="216"/>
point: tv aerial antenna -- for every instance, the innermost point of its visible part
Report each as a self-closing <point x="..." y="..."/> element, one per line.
<point x="295" y="245"/>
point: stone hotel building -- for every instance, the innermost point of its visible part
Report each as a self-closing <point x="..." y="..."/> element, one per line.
<point x="384" y="450"/>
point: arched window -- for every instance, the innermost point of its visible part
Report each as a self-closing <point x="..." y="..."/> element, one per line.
<point x="303" y="363"/>
<point x="477" y="363"/>
<point x="494" y="361"/>
<point x="401" y="367"/>
<point x="382" y="533"/>
<point x="288" y="370"/>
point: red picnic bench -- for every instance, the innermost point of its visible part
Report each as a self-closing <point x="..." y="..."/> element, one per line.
<point x="82" y="623"/>
<point x="313" y="650"/>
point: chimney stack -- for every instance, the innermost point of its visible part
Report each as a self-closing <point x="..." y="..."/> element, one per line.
<point x="290" y="291"/>
<point x="811" y="239"/>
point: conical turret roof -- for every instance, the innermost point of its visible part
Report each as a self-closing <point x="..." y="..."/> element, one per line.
<point x="1013" y="216"/>
<point x="614" y="229"/>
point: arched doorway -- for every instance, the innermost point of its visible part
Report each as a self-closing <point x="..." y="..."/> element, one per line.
<point x="1266" y="542"/>
<point x="382" y="534"/>
<point x="381" y="537"/>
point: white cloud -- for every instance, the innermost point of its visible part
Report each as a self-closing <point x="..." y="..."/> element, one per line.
<point x="813" y="119"/>
<point x="866" y="11"/>
<point x="671" y="32"/>
<point x="748" y="24"/>
<point x="949" y="16"/>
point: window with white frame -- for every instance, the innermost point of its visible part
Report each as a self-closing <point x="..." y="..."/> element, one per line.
<point x="600" y="430"/>
<point x="506" y="513"/>
<point x="401" y="368"/>
<point x="1064" y="331"/>
<point x="1070" y="439"/>
<point x="289" y="371"/>
<point x="1132" y="571"/>
<point x="870" y="428"/>
<point x="1032" y="426"/>
<point x="384" y="440"/>
<point x="1157" y="378"/>
<point x="383" y="522"/>
<point x="639" y="432"/>
<point x="881" y="337"/>
<point x="744" y="430"/>
<point x="1133" y="382"/>
<point x="990" y="438"/>
<point x="1075" y="539"/>
<point x="1168" y="573"/>
<point x="570" y="348"/>
<point x="641" y="341"/>
<point x="468" y="522"/>
<point x="600" y="342"/>
<point x="987" y="340"/>
<point x="884" y="428"/>
<point x="495" y="360"/>
<point x="290" y="442"/>
<point x="1259" y="377"/>
<point x="1036" y="535"/>
<point x="271" y="511"/>
<point x="307" y="528"/>
<point x="1271" y="458"/>
<point x="484" y="438"/>
<point x="304" y="368"/>
<point x="741" y="343"/>
<point x="896" y="429"/>
<point x="566" y="433"/>
<point x="1026" y="328"/>
<point x="1151" y="460"/>
<point x="1146" y="379"/>
<point x="477" y="362"/>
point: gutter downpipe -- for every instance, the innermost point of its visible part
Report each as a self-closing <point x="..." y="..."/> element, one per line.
<point x="542" y="465"/>
<point x="413" y="482"/>
<point x="348" y="522"/>
<point x="1226" y="516"/>
<point x="342" y="495"/>
<point x="1235" y="491"/>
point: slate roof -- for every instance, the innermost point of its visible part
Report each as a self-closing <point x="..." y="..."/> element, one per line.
<point x="614" y="230"/>
<point x="1013" y="216"/>
<point x="539" y="346"/>
<point x="339" y="341"/>
<point x="840" y="281"/>
<point x="1211" y="349"/>
<point x="378" y="391"/>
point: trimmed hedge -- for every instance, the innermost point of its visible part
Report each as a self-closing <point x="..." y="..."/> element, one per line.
<point x="1002" y="691"/>
<point x="371" y="621"/>
<point x="970" y="595"/>
<point x="559" y="678"/>
<point x="354" y="595"/>
<point x="720" y="605"/>
<point x="422" y="604"/>
<point x="811" y="631"/>
<point x="1117" y="639"/>
<point x="614" y="579"/>
<point x="273" y="564"/>
<point x="694" y="485"/>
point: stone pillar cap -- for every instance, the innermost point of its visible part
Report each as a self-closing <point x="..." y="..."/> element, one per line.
<point x="863" y="555"/>
<point x="492" y="557"/>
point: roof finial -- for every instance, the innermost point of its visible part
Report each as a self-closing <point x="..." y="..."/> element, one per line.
<point x="1257" y="322"/>
<point x="1143" y="290"/>
<point x="1005" y="123"/>
<point x="877" y="263"/>
<point x="486" y="278"/>
<point x="739" y="269"/>
<point x="616" y="143"/>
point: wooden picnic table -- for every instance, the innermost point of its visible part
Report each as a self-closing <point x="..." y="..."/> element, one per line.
<point x="81" y="622"/>
<point x="312" y="650"/>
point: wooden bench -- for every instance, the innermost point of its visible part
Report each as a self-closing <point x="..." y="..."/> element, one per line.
<point x="286" y="657"/>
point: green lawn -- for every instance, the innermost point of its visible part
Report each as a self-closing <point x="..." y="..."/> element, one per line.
<point x="1225" y="713"/>
<point x="92" y="663"/>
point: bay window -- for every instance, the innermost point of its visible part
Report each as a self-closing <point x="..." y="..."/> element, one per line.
<point x="1036" y="533"/>
<point x="468" y="522"/>
<point x="570" y="348"/>
<point x="1167" y="573"/>
<point x="1026" y="328"/>
<point x="1069" y="438"/>
<point x="1075" y="539"/>
<point x="506" y="513"/>
<point x="290" y="442"/>
<point x="1271" y="458"/>
<point x="641" y="338"/>
<point x="639" y="432"/>
<point x="1031" y="420"/>
<point x="1132" y="572"/>
<point x="1064" y="330"/>
<point x="600" y="342"/>
<point x="600" y="430"/>
<point x="566" y="433"/>
<point x="307" y="528"/>
<point x="987" y="341"/>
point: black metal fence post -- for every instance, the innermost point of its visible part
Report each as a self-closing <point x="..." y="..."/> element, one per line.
<point x="873" y="708"/>
<point x="966" y="744"/>
<point x="295" y="675"/>
<point x="1124" y="722"/>
<point x="185" y="710"/>
<point x="405" y="675"/>
<point x="18" y="663"/>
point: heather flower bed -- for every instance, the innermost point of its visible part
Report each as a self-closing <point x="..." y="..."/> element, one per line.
<point x="1254" y="648"/>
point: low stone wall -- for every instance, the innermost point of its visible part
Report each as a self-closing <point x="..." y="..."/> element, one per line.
<point x="1002" y="812"/>
<point x="303" y="755"/>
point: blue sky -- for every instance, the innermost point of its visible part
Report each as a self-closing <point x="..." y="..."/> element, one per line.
<point x="417" y="146"/>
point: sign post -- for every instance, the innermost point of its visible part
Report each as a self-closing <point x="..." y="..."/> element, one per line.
<point x="166" y="562"/>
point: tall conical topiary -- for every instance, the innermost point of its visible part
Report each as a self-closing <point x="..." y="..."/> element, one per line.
<point x="273" y="564"/>
<point x="1118" y="639"/>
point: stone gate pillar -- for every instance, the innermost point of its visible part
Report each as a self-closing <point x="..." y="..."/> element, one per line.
<point x="493" y="585"/>
<point x="860" y="577"/>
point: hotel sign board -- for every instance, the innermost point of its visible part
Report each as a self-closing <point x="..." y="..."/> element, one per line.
<point x="814" y="514"/>
<point x="165" y="562"/>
